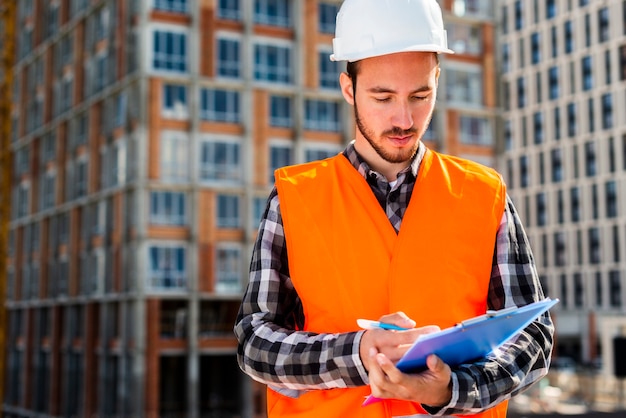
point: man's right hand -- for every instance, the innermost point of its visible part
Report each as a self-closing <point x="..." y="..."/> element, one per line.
<point x="393" y="344"/>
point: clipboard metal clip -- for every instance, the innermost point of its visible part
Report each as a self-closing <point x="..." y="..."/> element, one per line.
<point x="489" y="314"/>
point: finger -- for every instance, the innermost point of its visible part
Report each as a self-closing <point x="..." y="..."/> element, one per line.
<point x="398" y="318"/>
<point x="393" y="376"/>
<point x="435" y="364"/>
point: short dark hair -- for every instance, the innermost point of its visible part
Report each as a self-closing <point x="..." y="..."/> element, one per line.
<point x="352" y="69"/>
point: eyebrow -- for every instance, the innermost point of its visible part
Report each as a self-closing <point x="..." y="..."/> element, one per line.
<point x="377" y="90"/>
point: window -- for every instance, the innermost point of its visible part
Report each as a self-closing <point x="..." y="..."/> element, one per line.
<point x="228" y="211"/>
<point x="571" y="120"/>
<point x="607" y="111"/>
<point x="535" y="48"/>
<point x="554" y="43"/>
<point x="171" y="5"/>
<point x="313" y="152"/>
<point x="594" y="245"/>
<point x="48" y="189"/>
<point x="228" y="58"/>
<point x="329" y="71"/>
<point x="587" y="73"/>
<point x="280" y="111"/>
<point x="280" y="155"/>
<point x="615" y="288"/>
<point x="508" y="137"/>
<point x="603" y="25"/>
<point x="560" y="206"/>
<point x="559" y="249"/>
<point x="169" y="51"/>
<point x="321" y="115"/>
<point x="611" y="156"/>
<point x="465" y="39"/>
<point x="220" y="160"/>
<point x="591" y="117"/>
<point x="523" y="168"/>
<point x="79" y="177"/>
<point x="587" y="30"/>
<point x="568" y="37"/>
<point x="519" y="15"/>
<point x="506" y="58"/>
<point x="175" y="101"/>
<point x="575" y="204"/>
<point x="167" y="267"/>
<point x="327" y="13"/>
<point x="550" y="9"/>
<point x="475" y="130"/>
<point x="590" y="159"/>
<point x="258" y="209"/>
<point x="228" y="269"/>
<point x="229" y="9"/>
<point x="538" y="127"/>
<point x="611" y="199"/>
<point x="556" y="164"/>
<point x="471" y="7"/>
<point x="174" y="156"/>
<point x="557" y="122"/>
<point x="219" y="105"/>
<point x="542" y="214"/>
<point x="579" y="290"/>
<point x="464" y="85"/>
<point x="594" y="201"/>
<point x="505" y="20"/>
<point x="564" y="294"/>
<point x="521" y="92"/>
<point x="272" y="63"/>
<point x="273" y="12"/>
<point x="167" y="208"/>
<point x="553" y="82"/>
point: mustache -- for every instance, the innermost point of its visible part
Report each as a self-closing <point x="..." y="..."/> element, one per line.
<point x="395" y="131"/>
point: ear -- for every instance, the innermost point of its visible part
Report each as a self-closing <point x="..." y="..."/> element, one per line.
<point x="346" y="87"/>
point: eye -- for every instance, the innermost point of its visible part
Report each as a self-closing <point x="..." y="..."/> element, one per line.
<point x="382" y="99"/>
<point x="421" y="98"/>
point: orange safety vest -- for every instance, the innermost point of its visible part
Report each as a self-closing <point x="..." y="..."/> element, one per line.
<point x="347" y="262"/>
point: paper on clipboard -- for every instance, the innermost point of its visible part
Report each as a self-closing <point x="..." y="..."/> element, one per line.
<point x="470" y="340"/>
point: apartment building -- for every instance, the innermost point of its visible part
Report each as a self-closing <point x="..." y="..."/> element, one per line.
<point x="563" y="91"/>
<point x="145" y="135"/>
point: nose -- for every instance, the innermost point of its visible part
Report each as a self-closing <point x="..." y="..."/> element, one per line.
<point x="403" y="118"/>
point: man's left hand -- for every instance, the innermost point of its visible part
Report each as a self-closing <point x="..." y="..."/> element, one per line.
<point x="432" y="387"/>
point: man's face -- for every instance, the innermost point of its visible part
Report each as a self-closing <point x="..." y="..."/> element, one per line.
<point x="393" y="104"/>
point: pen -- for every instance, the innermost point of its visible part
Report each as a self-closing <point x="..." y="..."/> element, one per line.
<point x="369" y="324"/>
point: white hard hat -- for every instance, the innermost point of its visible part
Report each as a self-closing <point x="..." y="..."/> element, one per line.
<point x="370" y="28"/>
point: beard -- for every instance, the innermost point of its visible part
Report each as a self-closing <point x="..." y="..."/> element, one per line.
<point x="390" y="156"/>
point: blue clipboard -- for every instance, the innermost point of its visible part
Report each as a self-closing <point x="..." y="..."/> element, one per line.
<point x="470" y="340"/>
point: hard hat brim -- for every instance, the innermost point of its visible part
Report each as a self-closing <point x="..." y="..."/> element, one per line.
<point x="370" y="54"/>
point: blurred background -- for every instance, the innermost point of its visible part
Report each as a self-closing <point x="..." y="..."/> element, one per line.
<point x="137" y="147"/>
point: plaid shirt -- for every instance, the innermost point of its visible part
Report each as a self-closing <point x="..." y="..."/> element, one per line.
<point x="271" y="347"/>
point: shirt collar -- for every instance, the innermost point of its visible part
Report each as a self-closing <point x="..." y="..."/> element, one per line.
<point x="364" y="169"/>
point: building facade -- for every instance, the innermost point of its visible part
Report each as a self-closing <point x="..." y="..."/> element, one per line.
<point x="563" y="92"/>
<point x="145" y="135"/>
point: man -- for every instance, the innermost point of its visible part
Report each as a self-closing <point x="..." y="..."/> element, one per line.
<point x="387" y="230"/>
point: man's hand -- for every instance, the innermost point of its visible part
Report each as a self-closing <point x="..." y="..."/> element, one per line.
<point x="432" y="387"/>
<point x="381" y="349"/>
